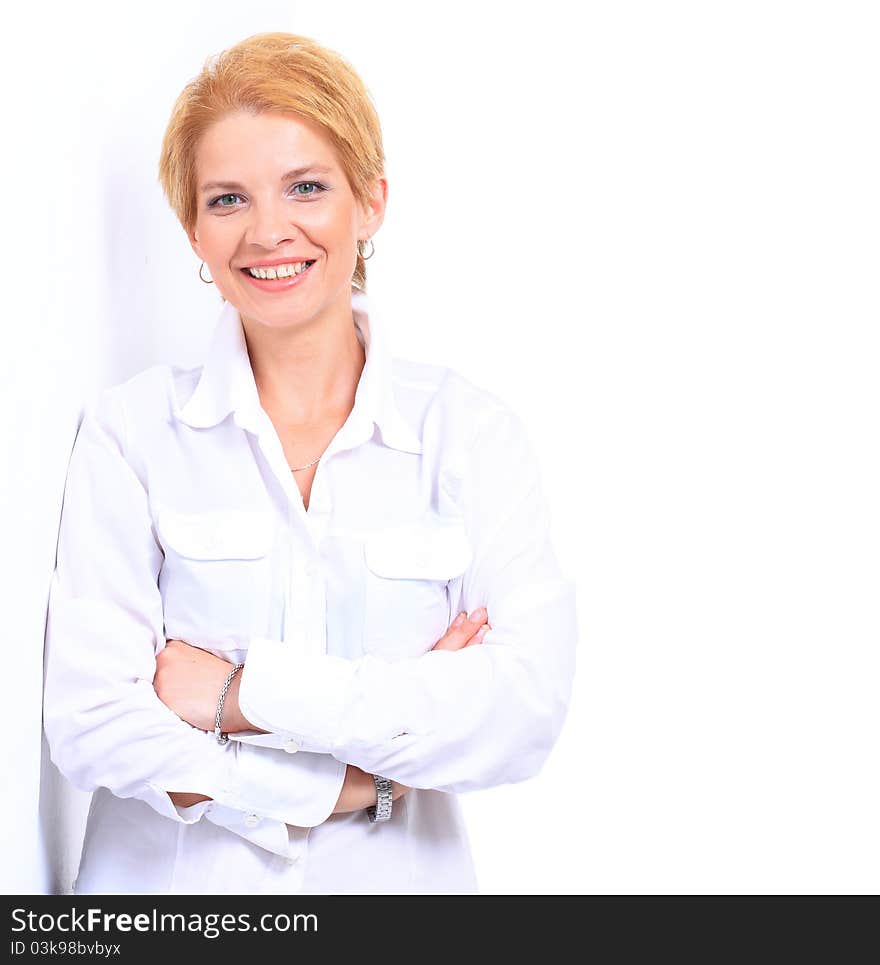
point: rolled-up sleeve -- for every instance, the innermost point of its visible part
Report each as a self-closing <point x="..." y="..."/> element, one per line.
<point x="104" y="723"/>
<point x="455" y="721"/>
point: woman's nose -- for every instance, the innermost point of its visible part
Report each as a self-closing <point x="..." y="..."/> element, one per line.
<point x="269" y="226"/>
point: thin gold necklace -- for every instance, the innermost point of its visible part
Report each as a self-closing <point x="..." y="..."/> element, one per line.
<point x="300" y="468"/>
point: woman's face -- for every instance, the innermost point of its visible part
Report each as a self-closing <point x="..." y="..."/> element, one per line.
<point x="270" y="190"/>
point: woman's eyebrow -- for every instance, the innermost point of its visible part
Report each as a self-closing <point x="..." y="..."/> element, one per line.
<point x="295" y="173"/>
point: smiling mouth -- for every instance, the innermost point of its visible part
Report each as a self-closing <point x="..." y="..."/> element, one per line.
<point x="280" y="271"/>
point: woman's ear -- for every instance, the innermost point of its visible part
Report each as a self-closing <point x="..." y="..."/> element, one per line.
<point x="374" y="210"/>
<point x="194" y="244"/>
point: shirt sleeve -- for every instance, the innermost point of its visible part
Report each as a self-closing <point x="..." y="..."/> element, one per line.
<point x="104" y="723"/>
<point x="455" y="721"/>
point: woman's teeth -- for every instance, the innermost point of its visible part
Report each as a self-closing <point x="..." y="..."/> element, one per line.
<point x="281" y="271"/>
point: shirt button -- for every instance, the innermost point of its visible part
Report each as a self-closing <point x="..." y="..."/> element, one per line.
<point x="311" y="569"/>
<point x="251" y="820"/>
<point x="291" y="746"/>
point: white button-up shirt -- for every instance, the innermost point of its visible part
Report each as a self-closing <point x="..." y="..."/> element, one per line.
<point x="182" y="519"/>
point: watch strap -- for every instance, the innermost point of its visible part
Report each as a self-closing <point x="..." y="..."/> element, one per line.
<point x="381" y="810"/>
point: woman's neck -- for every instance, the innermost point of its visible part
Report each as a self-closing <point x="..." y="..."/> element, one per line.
<point x="306" y="375"/>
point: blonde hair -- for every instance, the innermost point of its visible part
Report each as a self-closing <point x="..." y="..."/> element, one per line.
<point x="274" y="72"/>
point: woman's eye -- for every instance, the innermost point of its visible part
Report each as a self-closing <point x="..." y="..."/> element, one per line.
<point x="221" y="202"/>
<point x="310" y="189"/>
<point x="308" y="184"/>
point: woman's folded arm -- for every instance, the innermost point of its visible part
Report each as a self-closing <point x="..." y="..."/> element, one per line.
<point x="456" y="721"/>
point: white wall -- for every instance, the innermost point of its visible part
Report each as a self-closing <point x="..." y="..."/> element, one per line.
<point x="652" y="228"/>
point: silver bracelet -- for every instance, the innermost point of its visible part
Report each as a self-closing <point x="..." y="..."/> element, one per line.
<point x="221" y="737"/>
<point x="381" y="810"/>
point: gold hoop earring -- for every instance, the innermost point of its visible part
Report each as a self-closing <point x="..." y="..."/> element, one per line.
<point x="372" y="250"/>
<point x="207" y="281"/>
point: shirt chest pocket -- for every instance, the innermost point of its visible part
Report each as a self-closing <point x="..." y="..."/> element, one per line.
<point x="216" y="581"/>
<point x="407" y="572"/>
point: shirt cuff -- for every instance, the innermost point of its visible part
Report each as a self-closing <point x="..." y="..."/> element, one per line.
<point x="291" y="799"/>
<point x="257" y="739"/>
<point x="266" y="833"/>
<point x="263" y="795"/>
<point x="301" y="790"/>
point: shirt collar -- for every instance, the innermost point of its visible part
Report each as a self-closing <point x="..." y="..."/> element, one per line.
<point x="226" y="383"/>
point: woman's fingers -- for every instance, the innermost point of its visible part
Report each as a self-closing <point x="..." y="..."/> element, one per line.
<point x="478" y="636"/>
<point x="464" y="631"/>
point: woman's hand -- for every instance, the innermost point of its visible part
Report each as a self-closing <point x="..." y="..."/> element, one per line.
<point x="189" y="681"/>
<point x="465" y="631"/>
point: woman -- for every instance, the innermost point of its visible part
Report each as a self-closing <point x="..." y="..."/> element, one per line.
<point x="251" y="658"/>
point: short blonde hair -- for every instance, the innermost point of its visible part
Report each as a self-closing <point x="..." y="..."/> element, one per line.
<point x="274" y="72"/>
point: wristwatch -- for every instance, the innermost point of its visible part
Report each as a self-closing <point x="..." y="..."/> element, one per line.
<point x="381" y="810"/>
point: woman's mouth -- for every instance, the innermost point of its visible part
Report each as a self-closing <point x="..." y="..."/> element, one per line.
<point x="278" y="277"/>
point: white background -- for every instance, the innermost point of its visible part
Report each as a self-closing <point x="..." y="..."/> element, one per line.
<point x="653" y="229"/>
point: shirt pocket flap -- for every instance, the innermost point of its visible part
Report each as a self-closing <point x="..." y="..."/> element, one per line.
<point x="419" y="552"/>
<point x="217" y="535"/>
